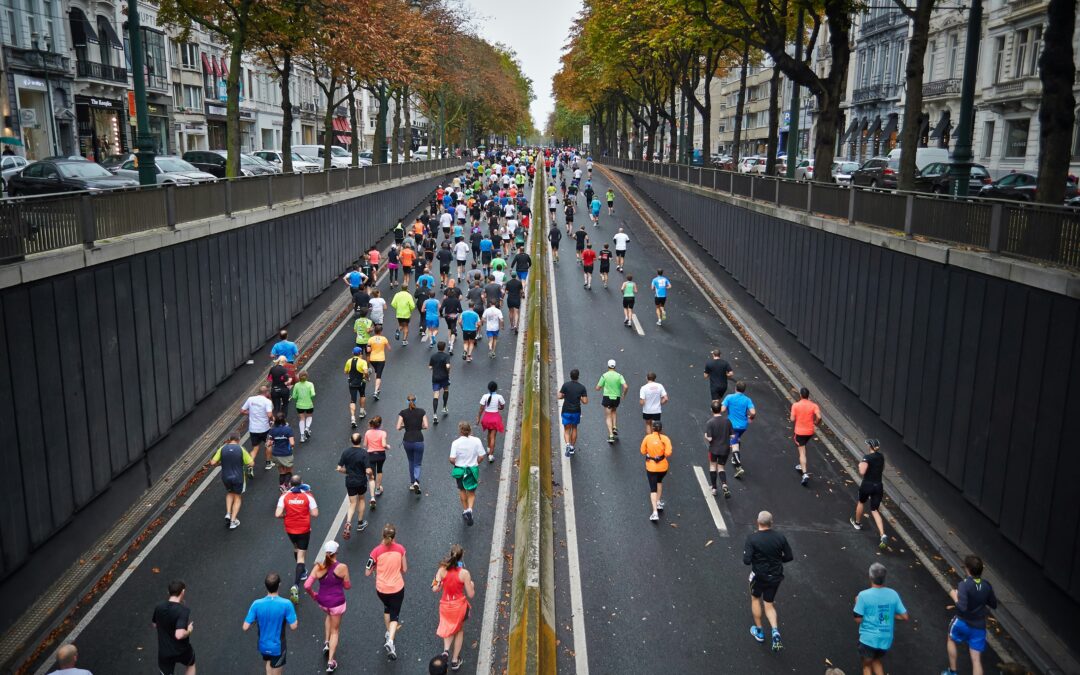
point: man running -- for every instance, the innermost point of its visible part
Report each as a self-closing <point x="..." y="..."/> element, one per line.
<point x="660" y="287"/>
<point x="234" y="461"/>
<point x="581" y="240"/>
<point x="629" y="297"/>
<point x="514" y="289"/>
<point x="805" y="414"/>
<point x="553" y="203"/>
<point x="283" y="442"/>
<point x="594" y="210"/>
<point x="766" y="551"/>
<point x="465" y="454"/>
<point x="356" y="369"/>
<point x="493" y="321"/>
<point x="260" y="413"/>
<point x="403" y="304"/>
<point x="554" y="237"/>
<point x="271" y="614"/>
<point x="439" y="364"/>
<point x="613" y="387"/>
<point x="522" y="262"/>
<point x="877" y="609"/>
<point x="354" y="465"/>
<point x="974" y="598"/>
<point x="621" y="238"/>
<point x="172" y="619"/>
<point x="431" y="318"/>
<point x="573" y="395"/>
<point x="588" y="259"/>
<point x="652" y="396"/>
<point x="378" y="345"/>
<point x="740" y="410"/>
<point x="450" y="310"/>
<point x="718" y="436"/>
<point x="717" y="372"/>
<point x="297" y="507"/>
<point x="610" y="202"/>
<point x="871" y="490"/>
<point x="568" y="215"/>
<point x="462" y="249"/>
<point x="605" y="263"/>
<point x="470" y="322"/>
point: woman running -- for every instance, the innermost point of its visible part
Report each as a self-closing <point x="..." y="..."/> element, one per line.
<point x="393" y="262"/>
<point x="375" y="440"/>
<point x="629" y="291"/>
<point x="657" y="448"/>
<point x="413" y="421"/>
<point x="490" y="418"/>
<point x="457" y="589"/>
<point x="303" y="393"/>
<point x="333" y="578"/>
<point x="387" y="562"/>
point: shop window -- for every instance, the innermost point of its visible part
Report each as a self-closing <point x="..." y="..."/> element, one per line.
<point x="988" y="138"/>
<point x="1016" y="138"/>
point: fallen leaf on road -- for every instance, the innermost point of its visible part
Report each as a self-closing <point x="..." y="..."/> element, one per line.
<point x="155" y="570"/>
<point x="673" y="524"/>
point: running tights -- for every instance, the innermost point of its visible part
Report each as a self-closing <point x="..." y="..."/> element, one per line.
<point x="414" y="450"/>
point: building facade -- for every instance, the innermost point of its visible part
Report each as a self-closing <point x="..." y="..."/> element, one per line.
<point x="875" y="101"/>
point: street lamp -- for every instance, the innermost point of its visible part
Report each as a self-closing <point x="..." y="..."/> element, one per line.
<point x="962" y="151"/>
<point x="146" y="159"/>
<point x="42" y="54"/>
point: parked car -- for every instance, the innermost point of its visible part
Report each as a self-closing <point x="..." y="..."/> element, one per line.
<point x="113" y="162"/>
<point x="300" y="164"/>
<point x="64" y="175"/>
<point x="935" y="177"/>
<point x="841" y="172"/>
<point x="746" y="162"/>
<point x="877" y="172"/>
<point x="170" y="171"/>
<point x="758" y="166"/>
<point x="213" y="162"/>
<point x="339" y="156"/>
<point x="722" y="162"/>
<point x="923" y="156"/>
<point x="9" y="166"/>
<point x="804" y="170"/>
<point x="1021" y="187"/>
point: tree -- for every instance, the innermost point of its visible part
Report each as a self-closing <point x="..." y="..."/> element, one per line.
<point x="740" y="104"/>
<point x="233" y="22"/>
<point x="913" y="74"/>
<point x="1057" y="110"/>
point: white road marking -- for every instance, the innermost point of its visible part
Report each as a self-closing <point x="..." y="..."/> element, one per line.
<point x="485" y="660"/>
<point x="577" y="604"/>
<point x="710" y="500"/>
<point x="637" y="326"/>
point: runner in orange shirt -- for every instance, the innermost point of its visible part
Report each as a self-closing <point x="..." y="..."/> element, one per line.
<point x="657" y="448"/>
<point x="407" y="257"/>
<point x="805" y="414"/>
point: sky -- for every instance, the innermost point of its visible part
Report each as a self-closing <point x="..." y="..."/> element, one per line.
<point x="537" y="31"/>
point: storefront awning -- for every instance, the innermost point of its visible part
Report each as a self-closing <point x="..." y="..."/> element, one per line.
<point x="82" y="31"/>
<point x="108" y="33"/>
<point x="11" y="140"/>
<point x="941" y="126"/>
<point x="875" y="127"/>
<point x="341" y="124"/>
<point x="207" y="67"/>
<point x="224" y="68"/>
<point x="891" y="125"/>
<point x="850" y="130"/>
<point x="343" y="140"/>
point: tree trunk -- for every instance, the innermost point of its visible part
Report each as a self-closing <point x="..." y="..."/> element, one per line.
<point x="382" y="96"/>
<point x="654" y="123"/>
<point x="773" y="140"/>
<point x="232" y="107"/>
<point x="673" y="125"/>
<point x="285" y="78"/>
<point x="396" y="142"/>
<point x="1057" y="110"/>
<point x="354" y="145"/>
<point x="740" y="106"/>
<point x="328" y="125"/>
<point x="624" y="149"/>
<point x="913" y="74"/>
<point x="830" y="91"/>
<point x="706" y="119"/>
<point x="407" y="117"/>
<point x="688" y="135"/>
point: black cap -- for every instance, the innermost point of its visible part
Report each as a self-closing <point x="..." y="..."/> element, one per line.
<point x="873" y="443"/>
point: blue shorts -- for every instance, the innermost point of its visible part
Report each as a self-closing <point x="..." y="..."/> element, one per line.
<point x="439" y="386"/>
<point x="571" y="419"/>
<point x="962" y="633"/>
<point x="432" y="323"/>
<point x="736" y="434"/>
<point x="523" y="275"/>
<point x="492" y="333"/>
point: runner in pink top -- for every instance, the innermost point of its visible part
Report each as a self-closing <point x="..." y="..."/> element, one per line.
<point x="387" y="562"/>
<point x="333" y="578"/>
<point x="375" y="440"/>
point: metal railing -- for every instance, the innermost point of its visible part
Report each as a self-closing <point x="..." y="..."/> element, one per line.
<point x="1035" y="231"/>
<point x="100" y="71"/>
<point x="31" y="225"/>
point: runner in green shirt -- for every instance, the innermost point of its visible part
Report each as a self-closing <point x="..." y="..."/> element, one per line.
<point x="610" y="202"/>
<point x="629" y="290"/>
<point x="303" y="393"/>
<point x="403" y="304"/>
<point x="498" y="263"/>
<point x="362" y="327"/>
<point x="613" y="387"/>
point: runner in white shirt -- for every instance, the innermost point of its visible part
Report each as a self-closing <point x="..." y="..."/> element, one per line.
<point x="577" y="173"/>
<point x="446" y="221"/>
<point x="652" y="398"/>
<point x="553" y="205"/>
<point x="260" y="413"/>
<point x="493" y="321"/>
<point x="462" y="211"/>
<point x="621" y="238"/>
<point x="462" y="251"/>
<point x="465" y="454"/>
<point x="378" y="307"/>
<point x="490" y="418"/>
<point x="508" y="210"/>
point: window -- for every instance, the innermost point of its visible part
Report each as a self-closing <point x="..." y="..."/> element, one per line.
<point x="1016" y="138"/>
<point x="1021" y="51"/>
<point x="999" y="59"/>
<point x="104" y="28"/>
<point x="154" y="60"/>
<point x="189" y="55"/>
<point x="1036" y="50"/>
<point x="178" y="94"/>
<point x="901" y="64"/>
<point x="932" y="62"/>
<point x="13" y="28"/>
<point x="988" y="138"/>
<point x="953" y="54"/>
<point x="1076" y="138"/>
<point x="192" y="96"/>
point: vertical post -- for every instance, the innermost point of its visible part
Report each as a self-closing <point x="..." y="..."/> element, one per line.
<point x="851" y="205"/>
<point x="962" y="152"/>
<point x="302" y="194"/>
<point x="270" y="191"/>
<point x="793" y="123"/>
<point x="327" y="175"/>
<point x="909" y="208"/>
<point x="752" y="181"/>
<point x="997" y="229"/>
<point x="809" y="196"/>
<point x="777" y="199"/>
<point x="145" y="160"/>
<point x="227" y="186"/>
<point x="170" y="206"/>
<point x="86" y="221"/>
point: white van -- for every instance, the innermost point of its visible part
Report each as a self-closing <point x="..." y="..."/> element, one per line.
<point x="339" y="156"/>
<point x="924" y="156"/>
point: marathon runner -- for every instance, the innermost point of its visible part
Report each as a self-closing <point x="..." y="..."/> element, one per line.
<point x="430" y="310"/>
<point x="457" y="588"/>
<point x="470" y="323"/>
<point x="588" y="257"/>
<point x="652" y="396"/>
<point x="871" y="490"/>
<point x="657" y="448"/>
<point x="333" y="580"/>
<point x="621" y="238"/>
<point x="610" y="202"/>
<point x="440" y="365"/>
<point x="172" y="620"/>
<point x="629" y="293"/>
<point x="493" y="321"/>
<point x="717" y="371"/>
<point x="489" y="417"/>
<point x="260" y="413"/>
<point x="379" y="345"/>
<point x="375" y="440"/>
<point x="613" y="387"/>
<point x="805" y="414"/>
<point x="303" y="393"/>
<point x="354" y="464"/>
<point x="581" y="239"/>
<point x="573" y="395"/>
<point x="271" y="614"/>
<point x="356" y="369"/>
<point x="594" y="210"/>
<point x="660" y="287"/>
<point x="740" y="411"/>
<point x="718" y="434"/>
<point x="403" y="304"/>
<point x="234" y="461"/>
<point x="413" y="421"/>
<point x="605" y="263"/>
<point x="296" y="507"/>
<point x="766" y="551"/>
<point x="465" y="454"/>
<point x="281" y="437"/>
<point x="388" y="563"/>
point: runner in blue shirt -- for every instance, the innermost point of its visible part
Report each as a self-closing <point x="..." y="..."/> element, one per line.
<point x="877" y="609"/>
<point x="284" y="347"/>
<point x="740" y="412"/>
<point x="431" y="317"/>
<point x="459" y="233"/>
<point x="271" y="614"/>
<point x="660" y="285"/>
<point x="426" y="281"/>
<point x="470" y="321"/>
<point x="486" y="248"/>
<point x="594" y="207"/>
<point x="448" y="200"/>
<point x="355" y="278"/>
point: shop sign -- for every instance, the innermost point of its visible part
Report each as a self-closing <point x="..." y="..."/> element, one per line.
<point x="97" y="102"/>
<point x="215" y="110"/>
<point x="31" y="83"/>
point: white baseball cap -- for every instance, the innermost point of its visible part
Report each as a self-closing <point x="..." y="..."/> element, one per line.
<point x="611" y="363"/>
<point x="331" y="547"/>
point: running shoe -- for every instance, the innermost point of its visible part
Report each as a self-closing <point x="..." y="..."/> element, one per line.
<point x="663" y="314"/>
<point x="805" y="480"/>
<point x="660" y="505"/>
<point x="727" y="492"/>
<point x="456" y="665"/>
<point x="325" y="649"/>
<point x="376" y="394"/>
<point x="397" y="335"/>
<point x="464" y="357"/>
<point x="611" y="438"/>
<point x="445" y="412"/>
<point x="654" y="517"/>
<point x="415" y="487"/>
<point x="776" y="644"/>
<point x="269" y="465"/>
<point x="714" y="492"/>
<point x="798" y="468"/>
<point x="346" y="534"/>
<point x="884" y="542"/>
<point x="854" y="523"/>
<point x="491" y="458"/>
<point x="465" y="516"/>
<point x="361" y="526"/>
<point x="659" y="323"/>
<point x="353" y="422"/>
<point x="236" y="523"/>
<point x="435" y="419"/>
<point x="469" y="518"/>
<point x="378" y="491"/>
<point x="391" y="653"/>
<point x="404" y="343"/>
<point x="294" y="595"/>
<point x="228" y="517"/>
<point x="739" y="471"/>
<point x="307" y="434"/>
<point x="568" y="452"/>
<point x="372" y="503"/>
<point x="572" y="450"/>
<point x="331" y="665"/>
<point x="757" y="633"/>
<point x="614" y="431"/>
<point x="363" y="413"/>
<point x="251" y="471"/>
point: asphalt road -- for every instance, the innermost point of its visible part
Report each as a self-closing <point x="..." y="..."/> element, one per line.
<point x="224" y="569"/>
<point x="672" y="596"/>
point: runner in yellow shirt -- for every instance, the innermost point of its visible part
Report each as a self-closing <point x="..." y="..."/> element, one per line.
<point x="378" y="345"/>
<point x="403" y="304"/>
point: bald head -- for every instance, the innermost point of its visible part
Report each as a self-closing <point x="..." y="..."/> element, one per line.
<point x="66" y="656"/>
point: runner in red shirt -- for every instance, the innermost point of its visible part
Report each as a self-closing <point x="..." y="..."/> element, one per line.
<point x="588" y="258"/>
<point x="805" y="414"/>
<point x="297" y="507"/>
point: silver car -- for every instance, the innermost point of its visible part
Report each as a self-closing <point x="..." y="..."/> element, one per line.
<point x="841" y="172"/>
<point x="300" y="164"/>
<point x="170" y="171"/>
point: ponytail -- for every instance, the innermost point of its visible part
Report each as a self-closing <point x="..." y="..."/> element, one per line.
<point x="454" y="559"/>
<point x="388" y="534"/>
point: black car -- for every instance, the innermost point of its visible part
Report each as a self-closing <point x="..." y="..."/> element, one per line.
<point x="213" y="162"/>
<point x="935" y="177"/>
<point x="64" y="175"/>
<point x="1021" y="187"/>
<point x="877" y="172"/>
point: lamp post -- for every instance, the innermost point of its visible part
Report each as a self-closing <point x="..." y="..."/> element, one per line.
<point x="144" y="142"/>
<point x="54" y="131"/>
<point x="962" y="151"/>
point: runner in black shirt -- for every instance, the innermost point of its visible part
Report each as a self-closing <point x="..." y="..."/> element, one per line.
<point x="514" y="290"/>
<point x="605" y="262"/>
<point x="474" y="240"/>
<point x="573" y="394"/>
<point x="174" y="626"/>
<point x="718" y="433"/>
<point x="451" y="310"/>
<point x="717" y="371"/>
<point x="554" y="237"/>
<point x="440" y="380"/>
<point x="766" y="552"/>
<point x="871" y="468"/>
<point x="581" y="237"/>
<point x="413" y="420"/>
<point x="354" y="464"/>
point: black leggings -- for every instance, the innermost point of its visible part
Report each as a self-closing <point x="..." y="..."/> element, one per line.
<point x="280" y="400"/>
<point x="375" y="461"/>
<point x="392" y="603"/>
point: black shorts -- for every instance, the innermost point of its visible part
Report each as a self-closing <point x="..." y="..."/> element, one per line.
<point x="468" y="335"/>
<point x="871" y="492"/>
<point x="652" y="417"/>
<point x="660" y="302"/>
<point x="451" y="324"/>
<point x="655" y="479"/>
<point x="402" y="322"/>
<point x="485" y="257"/>
<point x="717" y="393"/>
<point x="392" y="603"/>
<point x="620" y="254"/>
<point x="610" y="204"/>
<point x="276" y="660"/>
<point x="353" y="489"/>
<point x="605" y="266"/>
<point x="628" y="303"/>
<point x="721" y="458"/>
<point x="610" y="402"/>
<point x="588" y="269"/>
<point x="168" y="664"/>
<point x="306" y="411"/>
<point x="766" y="590"/>
<point x="868" y="652"/>
<point x="579" y="247"/>
<point x="445" y="269"/>
<point x="513" y="303"/>
<point x="301" y="541"/>
<point x="357" y="392"/>
<point x="554" y="244"/>
<point x="803" y="440"/>
<point x="378" y="367"/>
<point x="375" y="461"/>
<point x="234" y="487"/>
<point x="257" y="438"/>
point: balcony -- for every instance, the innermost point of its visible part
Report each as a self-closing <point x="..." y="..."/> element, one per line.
<point x="100" y="71"/>
<point x="882" y="22"/>
<point x="158" y="83"/>
<point x="941" y="88"/>
<point x="874" y="92"/>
